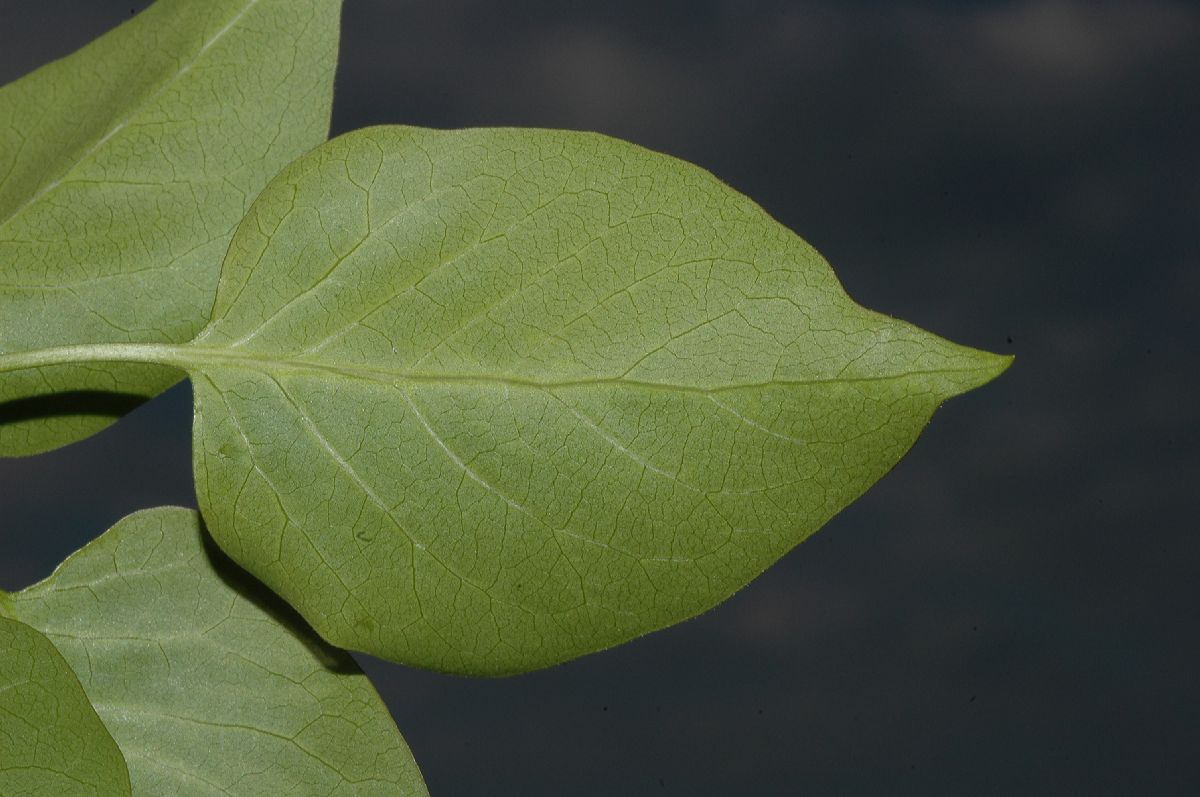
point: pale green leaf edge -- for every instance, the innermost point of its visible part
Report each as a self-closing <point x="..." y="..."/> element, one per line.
<point x="397" y="774"/>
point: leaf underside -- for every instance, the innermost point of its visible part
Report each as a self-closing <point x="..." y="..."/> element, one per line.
<point x="485" y="400"/>
<point x="208" y="683"/>
<point x="52" y="744"/>
<point x="124" y="169"/>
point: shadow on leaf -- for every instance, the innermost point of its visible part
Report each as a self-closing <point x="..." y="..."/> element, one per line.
<point x="253" y="590"/>
<point x="96" y="403"/>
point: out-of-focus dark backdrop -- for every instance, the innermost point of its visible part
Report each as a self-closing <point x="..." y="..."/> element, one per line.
<point x="1014" y="610"/>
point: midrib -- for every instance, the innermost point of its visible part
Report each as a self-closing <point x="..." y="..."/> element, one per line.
<point x="206" y="359"/>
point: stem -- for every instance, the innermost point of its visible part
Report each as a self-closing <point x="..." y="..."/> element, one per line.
<point x="90" y="353"/>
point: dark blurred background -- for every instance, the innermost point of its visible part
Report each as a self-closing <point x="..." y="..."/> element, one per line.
<point x="1014" y="610"/>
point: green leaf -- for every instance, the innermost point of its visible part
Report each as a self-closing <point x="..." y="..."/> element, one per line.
<point x="486" y="400"/>
<point x="124" y="169"/>
<point x="52" y="744"/>
<point x="208" y="683"/>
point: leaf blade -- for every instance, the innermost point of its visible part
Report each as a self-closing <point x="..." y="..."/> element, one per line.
<point x="120" y="195"/>
<point x="492" y="399"/>
<point x="207" y="682"/>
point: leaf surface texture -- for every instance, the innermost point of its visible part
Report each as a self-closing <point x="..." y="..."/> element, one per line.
<point x="52" y="744"/>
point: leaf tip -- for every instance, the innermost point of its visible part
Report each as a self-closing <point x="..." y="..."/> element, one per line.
<point x="987" y="367"/>
<point x="999" y="364"/>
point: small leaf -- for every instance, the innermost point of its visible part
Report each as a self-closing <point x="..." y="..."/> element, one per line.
<point x="52" y="744"/>
<point x="208" y="683"/>
<point x="486" y="400"/>
<point x="124" y="169"/>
